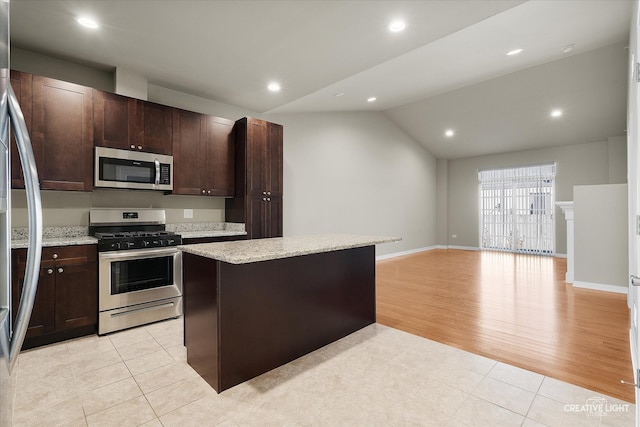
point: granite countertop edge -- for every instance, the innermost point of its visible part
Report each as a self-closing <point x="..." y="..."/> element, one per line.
<point x="248" y="251"/>
<point x="214" y="233"/>
<point x="57" y="241"/>
<point x="73" y="236"/>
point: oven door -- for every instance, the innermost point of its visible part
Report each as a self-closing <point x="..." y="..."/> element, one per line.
<point x="133" y="277"/>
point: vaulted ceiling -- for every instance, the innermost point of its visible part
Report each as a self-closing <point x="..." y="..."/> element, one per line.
<point x="447" y="70"/>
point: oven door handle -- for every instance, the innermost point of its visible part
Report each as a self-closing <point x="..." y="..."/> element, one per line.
<point x="138" y="253"/>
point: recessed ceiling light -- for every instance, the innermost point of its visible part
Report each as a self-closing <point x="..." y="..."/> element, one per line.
<point x="340" y="94"/>
<point x="514" y="52"/>
<point x="85" y="21"/>
<point x="556" y="113"/>
<point x="568" y="48"/>
<point x="397" y="26"/>
<point x="371" y="99"/>
<point x="274" y="87"/>
<point x="449" y="133"/>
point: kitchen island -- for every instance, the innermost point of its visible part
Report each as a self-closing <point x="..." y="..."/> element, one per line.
<point x="251" y="306"/>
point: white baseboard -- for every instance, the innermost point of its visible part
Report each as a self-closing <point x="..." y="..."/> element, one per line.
<point x="560" y="255"/>
<point x="403" y="253"/>
<point x="600" y="287"/>
<point x="463" y="248"/>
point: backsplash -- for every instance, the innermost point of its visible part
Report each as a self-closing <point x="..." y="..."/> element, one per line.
<point x="205" y="226"/>
<point x="71" y="208"/>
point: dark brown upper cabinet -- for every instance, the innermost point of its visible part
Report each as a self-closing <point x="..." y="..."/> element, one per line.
<point x="62" y="134"/>
<point x="203" y="148"/>
<point x="219" y="149"/>
<point x="115" y="121"/>
<point x="157" y="128"/>
<point x="188" y="135"/>
<point x="131" y="124"/>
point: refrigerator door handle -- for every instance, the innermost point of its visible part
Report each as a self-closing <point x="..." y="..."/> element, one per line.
<point x="34" y="207"/>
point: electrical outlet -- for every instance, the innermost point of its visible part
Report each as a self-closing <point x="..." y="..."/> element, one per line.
<point x="188" y="213"/>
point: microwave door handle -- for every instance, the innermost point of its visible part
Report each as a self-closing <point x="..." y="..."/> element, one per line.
<point x="157" y="162"/>
<point x="34" y="212"/>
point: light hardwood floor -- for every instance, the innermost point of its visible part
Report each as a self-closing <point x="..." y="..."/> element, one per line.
<point x="512" y="308"/>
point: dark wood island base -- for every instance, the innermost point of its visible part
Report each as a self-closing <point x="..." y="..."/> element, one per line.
<point x="242" y="320"/>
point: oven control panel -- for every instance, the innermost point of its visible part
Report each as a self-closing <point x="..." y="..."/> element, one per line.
<point x="106" y="244"/>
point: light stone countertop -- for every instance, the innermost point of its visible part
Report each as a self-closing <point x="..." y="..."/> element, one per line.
<point x="53" y="236"/>
<point x="247" y="251"/>
<point x="69" y="236"/>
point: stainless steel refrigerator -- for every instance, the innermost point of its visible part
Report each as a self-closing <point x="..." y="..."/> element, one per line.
<point x="12" y="332"/>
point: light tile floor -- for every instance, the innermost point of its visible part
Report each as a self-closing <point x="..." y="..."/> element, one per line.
<point x="377" y="376"/>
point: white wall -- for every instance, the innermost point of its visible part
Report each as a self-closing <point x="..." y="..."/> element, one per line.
<point x="357" y="172"/>
<point x="581" y="164"/>
<point x="48" y="66"/>
<point x="601" y="242"/>
<point x="441" y="204"/>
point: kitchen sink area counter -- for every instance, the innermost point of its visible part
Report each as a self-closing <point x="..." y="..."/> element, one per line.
<point x="248" y="251"/>
<point x="251" y="306"/>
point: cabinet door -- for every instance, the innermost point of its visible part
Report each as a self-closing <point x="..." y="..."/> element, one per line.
<point x="273" y="160"/>
<point x="256" y="157"/>
<point x="218" y="171"/>
<point x="157" y="128"/>
<point x="62" y="134"/>
<point x="42" y="317"/>
<point x="273" y="218"/>
<point x="255" y="217"/>
<point x="76" y="296"/>
<point x="264" y="217"/>
<point x="188" y="161"/>
<point x="115" y="121"/>
<point x="22" y="86"/>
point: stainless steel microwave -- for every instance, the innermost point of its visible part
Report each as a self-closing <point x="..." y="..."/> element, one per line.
<point x="136" y="170"/>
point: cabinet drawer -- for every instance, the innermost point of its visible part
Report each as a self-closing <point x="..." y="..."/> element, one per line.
<point x="60" y="255"/>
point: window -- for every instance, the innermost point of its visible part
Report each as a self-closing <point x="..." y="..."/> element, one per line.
<point x="516" y="209"/>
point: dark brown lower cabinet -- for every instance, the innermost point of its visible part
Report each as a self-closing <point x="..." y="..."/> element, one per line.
<point x="66" y="303"/>
<point x="264" y="217"/>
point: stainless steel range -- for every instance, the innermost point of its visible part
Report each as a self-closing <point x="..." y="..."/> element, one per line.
<point x="139" y="268"/>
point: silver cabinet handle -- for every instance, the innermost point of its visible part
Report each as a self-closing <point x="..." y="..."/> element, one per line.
<point x="268" y="199"/>
<point x="268" y="193"/>
<point x="139" y="147"/>
<point x="34" y="212"/>
<point x="203" y="191"/>
<point x="635" y="280"/>
<point x="50" y="271"/>
<point x="55" y="256"/>
<point x="208" y="191"/>
<point x="60" y="270"/>
<point x="133" y="147"/>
